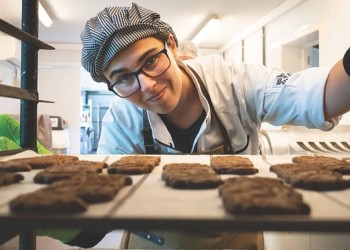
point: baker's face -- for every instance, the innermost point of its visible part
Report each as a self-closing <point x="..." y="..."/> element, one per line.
<point x="147" y="68"/>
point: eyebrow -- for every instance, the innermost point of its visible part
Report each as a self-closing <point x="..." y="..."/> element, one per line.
<point x="140" y="59"/>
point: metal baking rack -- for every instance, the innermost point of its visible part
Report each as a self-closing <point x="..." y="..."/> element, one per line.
<point x="27" y="93"/>
<point x="29" y="63"/>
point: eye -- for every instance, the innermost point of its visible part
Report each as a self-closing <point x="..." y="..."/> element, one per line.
<point x="151" y="61"/>
<point x="126" y="79"/>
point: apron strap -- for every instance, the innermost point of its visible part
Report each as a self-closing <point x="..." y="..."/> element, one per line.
<point x="147" y="135"/>
<point x="227" y="142"/>
<point x="147" y="130"/>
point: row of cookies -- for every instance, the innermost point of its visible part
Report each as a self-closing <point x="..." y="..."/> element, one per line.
<point x="185" y="176"/>
<point x="73" y="184"/>
<point x="240" y="195"/>
<point x="321" y="173"/>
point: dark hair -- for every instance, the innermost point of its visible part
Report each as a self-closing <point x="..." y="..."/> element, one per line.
<point x="162" y="37"/>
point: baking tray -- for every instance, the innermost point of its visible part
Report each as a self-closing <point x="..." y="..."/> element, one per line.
<point x="149" y="204"/>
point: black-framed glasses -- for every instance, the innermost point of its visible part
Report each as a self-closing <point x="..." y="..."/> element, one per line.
<point x="129" y="83"/>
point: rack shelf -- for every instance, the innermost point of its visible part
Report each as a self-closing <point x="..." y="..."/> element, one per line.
<point x="23" y="36"/>
<point x="27" y="93"/>
<point x="18" y="93"/>
<point x="29" y="64"/>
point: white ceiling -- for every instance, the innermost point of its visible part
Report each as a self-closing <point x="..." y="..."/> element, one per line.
<point x="185" y="16"/>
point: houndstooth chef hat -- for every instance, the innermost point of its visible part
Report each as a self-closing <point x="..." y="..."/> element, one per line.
<point x="114" y="29"/>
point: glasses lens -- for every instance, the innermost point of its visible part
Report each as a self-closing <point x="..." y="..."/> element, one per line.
<point x="154" y="67"/>
<point x="126" y="86"/>
<point x="157" y="65"/>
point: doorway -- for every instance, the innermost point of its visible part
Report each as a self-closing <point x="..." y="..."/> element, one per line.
<point x="98" y="103"/>
<point x="301" y="53"/>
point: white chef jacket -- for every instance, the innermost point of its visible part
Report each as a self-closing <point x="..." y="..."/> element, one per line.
<point x="243" y="95"/>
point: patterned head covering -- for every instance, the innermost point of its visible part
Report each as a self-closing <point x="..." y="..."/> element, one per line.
<point x="114" y="29"/>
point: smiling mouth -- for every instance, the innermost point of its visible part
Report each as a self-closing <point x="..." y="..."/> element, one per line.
<point x="157" y="96"/>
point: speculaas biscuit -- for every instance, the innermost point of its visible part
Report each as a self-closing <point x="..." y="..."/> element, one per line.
<point x="168" y="169"/>
<point x="67" y="171"/>
<point x="309" y="176"/>
<point x="98" y="166"/>
<point x="145" y="159"/>
<point x="10" y="178"/>
<point x="320" y="180"/>
<point x="73" y="195"/>
<point x="232" y="165"/>
<point x="93" y="188"/>
<point x="134" y="165"/>
<point x="285" y="170"/>
<point x="41" y="162"/>
<point x="193" y="179"/>
<point x="47" y="200"/>
<point x="190" y="176"/>
<point x="47" y="177"/>
<point x="130" y="169"/>
<point x="179" y="166"/>
<point x="12" y="166"/>
<point x="326" y="162"/>
<point x="260" y="195"/>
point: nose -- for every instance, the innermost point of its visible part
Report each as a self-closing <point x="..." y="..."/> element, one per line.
<point x="146" y="82"/>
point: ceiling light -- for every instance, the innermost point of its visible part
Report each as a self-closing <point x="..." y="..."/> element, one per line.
<point x="44" y="18"/>
<point x="206" y="30"/>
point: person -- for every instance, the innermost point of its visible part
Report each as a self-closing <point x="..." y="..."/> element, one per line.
<point x="10" y="135"/>
<point x="203" y="106"/>
<point x="187" y="50"/>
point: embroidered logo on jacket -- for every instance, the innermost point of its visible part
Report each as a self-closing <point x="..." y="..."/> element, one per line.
<point x="282" y="78"/>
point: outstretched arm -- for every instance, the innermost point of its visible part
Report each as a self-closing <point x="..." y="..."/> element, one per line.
<point x="337" y="91"/>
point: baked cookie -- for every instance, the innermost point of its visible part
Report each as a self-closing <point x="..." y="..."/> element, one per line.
<point x="232" y="165"/>
<point x="130" y="169"/>
<point x="285" y="170"/>
<point x="326" y="162"/>
<point x="320" y="180"/>
<point x="98" y="166"/>
<point x="190" y="176"/>
<point x="134" y="165"/>
<point x="12" y="166"/>
<point x="259" y="195"/>
<point x="181" y="167"/>
<point x="47" y="200"/>
<point x="71" y="196"/>
<point x="10" y="178"/>
<point x="309" y="176"/>
<point x="41" y="162"/>
<point x="93" y="188"/>
<point x="67" y="171"/>
<point x="147" y="159"/>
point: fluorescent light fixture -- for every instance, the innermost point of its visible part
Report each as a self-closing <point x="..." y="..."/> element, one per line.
<point x="206" y="30"/>
<point x="44" y="18"/>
